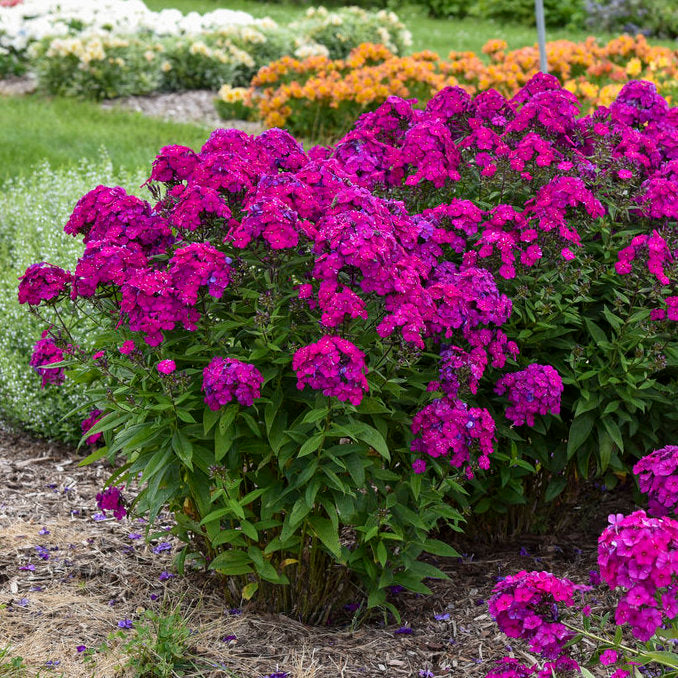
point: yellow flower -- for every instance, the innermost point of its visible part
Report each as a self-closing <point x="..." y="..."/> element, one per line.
<point x="634" y="67"/>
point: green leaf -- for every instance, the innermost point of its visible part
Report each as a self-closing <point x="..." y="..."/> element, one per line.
<point x="327" y="534"/>
<point x="613" y="429"/>
<point x="596" y="332"/>
<point x="382" y="556"/>
<point x="95" y="456"/>
<point x="312" y="444"/>
<point x="315" y="415"/>
<point x="249" y="590"/>
<point x="554" y="488"/>
<point x="222" y="444"/>
<point x="209" y="419"/>
<point x="374" y="439"/>
<point x="232" y="563"/>
<point x="440" y="548"/>
<point x="605" y="445"/>
<point x="579" y="432"/>
<point x="227" y="418"/>
<point x="183" y="448"/>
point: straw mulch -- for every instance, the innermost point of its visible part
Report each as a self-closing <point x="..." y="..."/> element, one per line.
<point x="80" y="577"/>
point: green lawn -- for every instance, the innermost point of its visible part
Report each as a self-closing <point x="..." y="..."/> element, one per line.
<point x="64" y="131"/>
<point x="439" y="35"/>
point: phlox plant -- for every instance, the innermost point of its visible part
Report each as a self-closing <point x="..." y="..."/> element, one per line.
<point x="262" y="344"/>
<point x="638" y="559"/>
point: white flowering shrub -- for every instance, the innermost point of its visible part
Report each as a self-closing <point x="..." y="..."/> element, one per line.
<point x="342" y="30"/>
<point x="31" y="213"/>
<point x="119" y="47"/>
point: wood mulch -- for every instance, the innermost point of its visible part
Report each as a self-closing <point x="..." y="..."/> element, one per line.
<point x="67" y="579"/>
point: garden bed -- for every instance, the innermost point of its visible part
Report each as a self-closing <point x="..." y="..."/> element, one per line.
<point x="96" y="575"/>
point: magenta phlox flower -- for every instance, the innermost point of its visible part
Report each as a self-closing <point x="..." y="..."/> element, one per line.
<point x="92" y="418"/>
<point x="535" y="390"/>
<point x="281" y="149"/>
<point x="197" y="206"/>
<point x="640" y="555"/>
<point x="227" y="379"/>
<point x="44" y="353"/>
<point x="196" y="266"/>
<point x="525" y="605"/>
<point x="103" y="263"/>
<point x="111" y="499"/>
<point x="42" y="282"/>
<point x="450" y="428"/>
<point x="334" y="366"/>
<point x="427" y="154"/>
<point x="658" y="479"/>
<point x="173" y="164"/>
<point x="152" y="305"/>
<point x="390" y="121"/>
<point x="637" y="103"/>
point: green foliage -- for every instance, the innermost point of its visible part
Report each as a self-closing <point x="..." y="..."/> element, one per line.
<point x="657" y="18"/>
<point x="96" y="67"/>
<point x="29" y="232"/>
<point x="567" y="12"/>
<point x="11" y="667"/>
<point x="159" y="645"/>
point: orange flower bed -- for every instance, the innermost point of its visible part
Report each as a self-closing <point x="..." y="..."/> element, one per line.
<point x="319" y="97"/>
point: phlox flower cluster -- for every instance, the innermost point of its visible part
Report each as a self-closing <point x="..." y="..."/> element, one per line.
<point x="227" y="379"/>
<point x="92" y="418"/>
<point x="42" y="282"/>
<point x="525" y="605"/>
<point x="509" y="667"/>
<point x="640" y="555"/>
<point x="45" y="352"/>
<point x="111" y="499"/>
<point x="199" y="265"/>
<point x="334" y="366"/>
<point x="658" y="479"/>
<point x="450" y="428"/>
<point x="534" y="390"/>
<point x="653" y="249"/>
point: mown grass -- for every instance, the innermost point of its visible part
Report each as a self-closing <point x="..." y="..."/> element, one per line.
<point x="439" y="35"/>
<point x="63" y="131"/>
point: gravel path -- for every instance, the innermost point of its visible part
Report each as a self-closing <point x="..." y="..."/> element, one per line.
<point x="195" y="107"/>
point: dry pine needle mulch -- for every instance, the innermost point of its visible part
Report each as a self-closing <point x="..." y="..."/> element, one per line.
<point x="66" y="580"/>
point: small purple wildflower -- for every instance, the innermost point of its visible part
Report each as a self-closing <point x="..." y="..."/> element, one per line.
<point x="164" y="576"/>
<point x="42" y="552"/>
<point x="98" y="517"/>
<point x="125" y="624"/>
<point x="52" y="663"/>
<point x="43" y="531"/>
<point x="134" y="535"/>
<point x="29" y="567"/>
<point x="426" y="673"/>
<point x="23" y="602"/>
<point x="404" y="631"/>
<point x="234" y="611"/>
<point x="396" y="589"/>
<point x="442" y="617"/>
<point x="154" y="596"/>
<point x="228" y="639"/>
<point x="162" y="546"/>
<point x="81" y="648"/>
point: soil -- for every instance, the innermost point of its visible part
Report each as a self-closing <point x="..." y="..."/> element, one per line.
<point x="67" y="579"/>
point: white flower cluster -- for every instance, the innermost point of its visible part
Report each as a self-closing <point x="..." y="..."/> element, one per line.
<point x="34" y="20"/>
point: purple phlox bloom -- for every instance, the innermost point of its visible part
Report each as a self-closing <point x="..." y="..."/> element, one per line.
<point x="42" y="552"/>
<point x="162" y="546"/>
